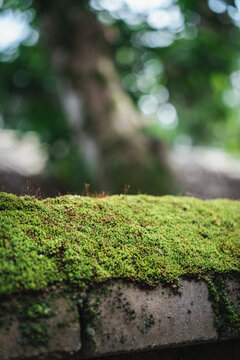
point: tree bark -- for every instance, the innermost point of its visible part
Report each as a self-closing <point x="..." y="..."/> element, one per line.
<point x="104" y="122"/>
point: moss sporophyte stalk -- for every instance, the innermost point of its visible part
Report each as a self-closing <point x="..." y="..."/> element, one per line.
<point x="76" y="240"/>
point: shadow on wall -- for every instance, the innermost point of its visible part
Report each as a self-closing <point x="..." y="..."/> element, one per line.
<point x="228" y="350"/>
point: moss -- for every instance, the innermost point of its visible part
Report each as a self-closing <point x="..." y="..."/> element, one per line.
<point x="227" y="320"/>
<point x="148" y="322"/>
<point x="90" y="316"/>
<point x="34" y="308"/>
<point x="33" y="314"/>
<point x="35" y="334"/>
<point x="76" y="241"/>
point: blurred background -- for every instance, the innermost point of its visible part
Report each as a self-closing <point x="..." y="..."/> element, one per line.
<point x="127" y="95"/>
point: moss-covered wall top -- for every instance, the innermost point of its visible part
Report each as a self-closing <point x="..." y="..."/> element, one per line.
<point x="74" y="240"/>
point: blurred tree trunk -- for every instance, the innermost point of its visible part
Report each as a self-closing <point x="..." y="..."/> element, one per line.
<point x="104" y="121"/>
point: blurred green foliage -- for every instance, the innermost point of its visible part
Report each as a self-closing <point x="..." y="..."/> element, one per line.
<point x="186" y="79"/>
<point x="197" y="68"/>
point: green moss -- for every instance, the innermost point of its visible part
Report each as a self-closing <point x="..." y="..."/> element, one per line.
<point x="33" y="314"/>
<point x="227" y="320"/>
<point x="148" y="322"/>
<point x="34" y="308"/>
<point x="35" y="334"/>
<point x="75" y="240"/>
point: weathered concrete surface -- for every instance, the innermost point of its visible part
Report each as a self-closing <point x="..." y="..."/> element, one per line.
<point x="41" y="330"/>
<point x="118" y="318"/>
<point x="126" y="318"/>
<point x="233" y="292"/>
